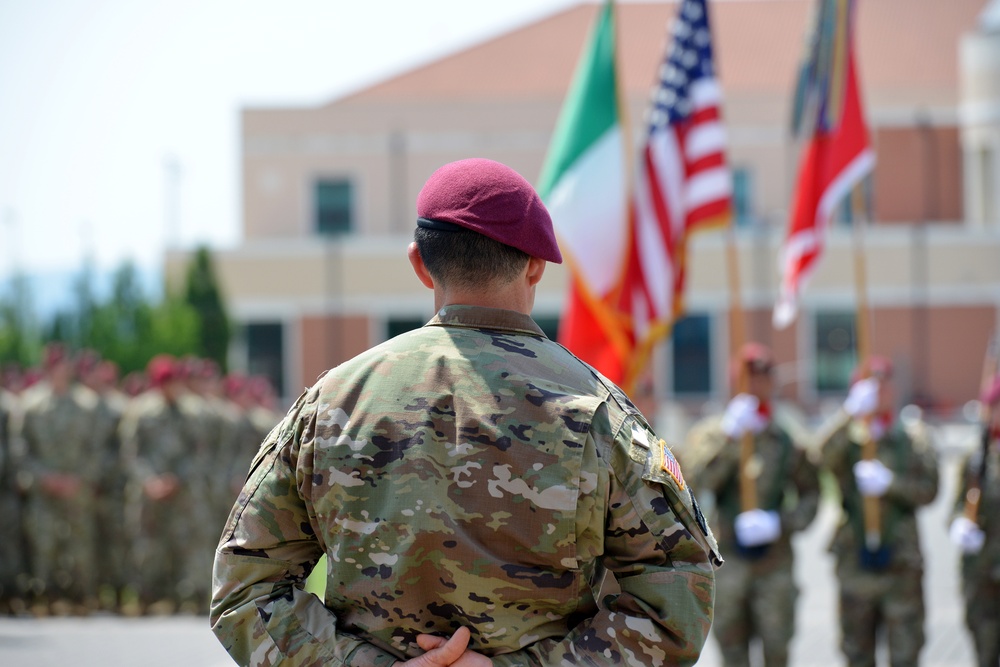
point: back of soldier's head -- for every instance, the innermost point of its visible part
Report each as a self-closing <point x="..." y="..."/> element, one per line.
<point x="478" y="223"/>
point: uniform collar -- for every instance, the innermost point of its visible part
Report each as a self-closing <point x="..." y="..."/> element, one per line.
<point x="478" y="317"/>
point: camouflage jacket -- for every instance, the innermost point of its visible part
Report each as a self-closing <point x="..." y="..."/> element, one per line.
<point x="787" y="481"/>
<point x="915" y="483"/>
<point x="160" y="437"/>
<point x="985" y="563"/>
<point x="56" y="433"/>
<point x="471" y="472"/>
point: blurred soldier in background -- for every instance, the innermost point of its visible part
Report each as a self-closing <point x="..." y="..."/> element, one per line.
<point x="216" y="424"/>
<point x="755" y="591"/>
<point x="234" y="460"/>
<point x="11" y="544"/>
<point x="159" y="452"/>
<point x="56" y="430"/>
<point x="880" y="577"/>
<point x="976" y="530"/>
<point x="263" y="414"/>
<point x="101" y="377"/>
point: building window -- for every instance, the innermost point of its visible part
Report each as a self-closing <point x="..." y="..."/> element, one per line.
<point x="692" y="355"/>
<point x="743" y="196"/>
<point x="835" y="351"/>
<point x="400" y="325"/>
<point x="333" y="206"/>
<point x="265" y="353"/>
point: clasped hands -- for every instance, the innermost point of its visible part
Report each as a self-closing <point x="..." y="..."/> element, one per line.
<point x="445" y="651"/>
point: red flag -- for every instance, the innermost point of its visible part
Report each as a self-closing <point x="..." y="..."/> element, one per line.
<point x="836" y="158"/>
<point x="682" y="183"/>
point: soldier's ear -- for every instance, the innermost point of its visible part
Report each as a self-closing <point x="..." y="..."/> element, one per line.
<point x="417" y="262"/>
<point x="535" y="269"/>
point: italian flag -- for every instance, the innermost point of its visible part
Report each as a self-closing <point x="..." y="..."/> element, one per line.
<point x="583" y="184"/>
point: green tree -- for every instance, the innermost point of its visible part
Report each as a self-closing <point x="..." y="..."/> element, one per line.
<point x="130" y="329"/>
<point x="202" y="293"/>
<point x="20" y="341"/>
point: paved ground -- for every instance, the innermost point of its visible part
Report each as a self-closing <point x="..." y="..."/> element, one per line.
<point x="187" y="641"/>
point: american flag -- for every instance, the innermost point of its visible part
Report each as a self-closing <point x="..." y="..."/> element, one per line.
<point x="682" y="182"/>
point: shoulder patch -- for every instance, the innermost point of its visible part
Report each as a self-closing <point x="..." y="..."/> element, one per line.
<point x="660" y="456"/>
<point x="670" y="464"/>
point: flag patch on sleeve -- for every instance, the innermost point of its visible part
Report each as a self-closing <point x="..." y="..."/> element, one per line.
<point x="670" y="465"/>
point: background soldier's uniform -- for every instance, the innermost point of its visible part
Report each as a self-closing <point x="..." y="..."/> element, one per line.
<point x="755" y="591"/>
<point x="981" y="571"/>
<point x="161" y="437"/>
<point x="56" y="435"/>
<point x="12" y="565"/>
<point x="474" y="473"/>
<point x="890" y="596"/>
<point x="113" y="550"/>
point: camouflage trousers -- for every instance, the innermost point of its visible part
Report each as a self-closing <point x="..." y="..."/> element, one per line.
<point x="982" y="616"/>
<point x="751" y="602"/>
<point x="114" y="548"/>
<point x="890" y="601"/>
<point x="61" y="546"/>
<point x="13" y="568"/>
<point x="167" y="546"/>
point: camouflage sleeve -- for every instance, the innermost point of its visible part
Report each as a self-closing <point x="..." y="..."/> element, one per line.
<point x="715" y="458"/>
<point x="661" y="555"/>
<point x="805" y="479"/>
<point x="919" y="484"/>
<point x="834" y="445"/>
<point x="963" y="480"/>
<point x="261" y="612"/>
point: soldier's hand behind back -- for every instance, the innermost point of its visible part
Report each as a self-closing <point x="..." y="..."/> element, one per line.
<point x="441" y="652"/>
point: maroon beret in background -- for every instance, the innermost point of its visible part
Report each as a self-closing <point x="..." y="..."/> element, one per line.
<point x="877" y="367"/>
<point x="55" y="354"/>
<point x="162" y="369"/>
<point x="757" y="357"/>
<point x="492" y="199"/>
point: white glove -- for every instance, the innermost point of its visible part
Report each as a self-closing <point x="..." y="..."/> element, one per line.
<point x="742" y="416"/>
<point x="863" y="398"/>
<point x="966" y="534"/>
<point x="757" y="527"/>
<point x="873" y="477"/>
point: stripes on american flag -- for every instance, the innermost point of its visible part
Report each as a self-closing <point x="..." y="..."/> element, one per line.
<point x="682" y="182"/>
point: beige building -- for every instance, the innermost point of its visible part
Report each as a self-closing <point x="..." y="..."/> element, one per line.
<point x="328" y="196"/>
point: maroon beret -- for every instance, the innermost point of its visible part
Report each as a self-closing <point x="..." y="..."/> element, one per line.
<point x="55" y="354"/>
<point x="492" y="199"/>
<point x="162" y="369"/>
<point x="756" y="357"/>
<point x="877" y="367"/>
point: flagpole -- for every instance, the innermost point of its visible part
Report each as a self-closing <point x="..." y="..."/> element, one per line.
<point x="872" y="506"/>
<point x="632" y="358"/>
<point x="737" y="337"/>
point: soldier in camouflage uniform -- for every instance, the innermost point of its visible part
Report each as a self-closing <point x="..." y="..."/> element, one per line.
<point x="979" y="537"/>
<point x="101" y="377"/>
<point x="159" y="436"/>
<point x="58" y="472"/>
<point x="11" y="552"/>
<point x="756" y="591"/>
<point x="881" y="587"/>
<point x="469" y="479"/>
<point x="217" y="426"/>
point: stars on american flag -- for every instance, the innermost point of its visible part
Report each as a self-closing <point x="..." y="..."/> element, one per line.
<point x="689" y="59"/>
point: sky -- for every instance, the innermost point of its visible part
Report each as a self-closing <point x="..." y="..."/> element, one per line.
<point x="119" y="119"/>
